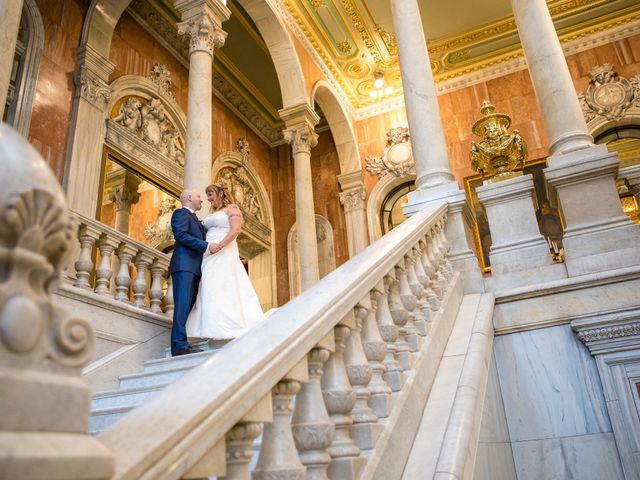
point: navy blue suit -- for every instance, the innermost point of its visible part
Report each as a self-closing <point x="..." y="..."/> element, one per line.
<point x="184" y="269"/>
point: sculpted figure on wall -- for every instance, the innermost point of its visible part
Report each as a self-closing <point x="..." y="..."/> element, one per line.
<point x="149" y="121"/>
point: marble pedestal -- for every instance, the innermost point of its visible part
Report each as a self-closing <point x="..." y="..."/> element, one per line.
<point x="598" y="236"/>
<point x="519" y="253"/>
<point x="458" y="230"/>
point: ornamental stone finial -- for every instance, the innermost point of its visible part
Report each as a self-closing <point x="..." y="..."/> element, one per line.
<point x="42" y="347"/>
<point x="499" y="155"/>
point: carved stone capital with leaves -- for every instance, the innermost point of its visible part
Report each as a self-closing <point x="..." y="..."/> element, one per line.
<point x="353" y="199"/>
<point x="92" y="88"/>
<point x="204" y="34"/>
<point x="302" y="138"/>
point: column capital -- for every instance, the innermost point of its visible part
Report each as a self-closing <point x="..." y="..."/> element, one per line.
<point x="125" y="191"/>
<point x="302" y="137"/>
<point x="353" y="199"/>
<point x="202" y="22"/>
<point x="92" y="77"/>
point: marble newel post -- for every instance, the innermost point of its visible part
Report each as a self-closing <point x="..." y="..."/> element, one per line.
<point x="9" y="25"/>
<point x="352" y="198"/>
<point x="300" y="122"/>
<point x="201" y="22"/>
<point x="434" y="181"/>
<point x="598" y="236"/>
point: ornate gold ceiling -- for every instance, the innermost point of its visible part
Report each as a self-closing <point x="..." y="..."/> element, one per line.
<point x="355" y="38"/>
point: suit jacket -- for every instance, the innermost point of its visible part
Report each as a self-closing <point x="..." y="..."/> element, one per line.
<point x="190" y="244"/>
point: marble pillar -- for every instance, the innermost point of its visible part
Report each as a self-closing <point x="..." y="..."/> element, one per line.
<point x="124" y="195"/>
<point x="519" y="253"/>
<point x="201" y="22"/>
<point x="352" y="198"/>
<point x="87" y="131"/>
<point x="9" y="25"/>
<point x="300" y="122"/>
<point x="434" y="181"/>
<point x="598" y="236"/>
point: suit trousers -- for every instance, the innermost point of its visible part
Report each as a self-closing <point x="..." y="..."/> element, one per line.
<point x="185" y="290"/>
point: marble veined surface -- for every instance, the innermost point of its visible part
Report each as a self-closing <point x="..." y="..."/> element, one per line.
<point x="550" y="385"/>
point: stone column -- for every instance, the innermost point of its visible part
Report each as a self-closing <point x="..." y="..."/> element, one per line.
<point x="124" y="196"/>
<point x="201" y="22"/>
<point x="434" y="181"/>
<point x="86" y="134"/>
<point x="9" y="25"/>
<point x="300" y="122"/>
<point x="352" y="198"/>
<point x="598" y="236"/>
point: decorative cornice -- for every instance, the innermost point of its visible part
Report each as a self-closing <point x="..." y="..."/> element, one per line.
<point x="609" y="333"/>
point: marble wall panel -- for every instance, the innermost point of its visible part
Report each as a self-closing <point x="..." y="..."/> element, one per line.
<point x="550" y="385"/>
<point x="585" y="457"/>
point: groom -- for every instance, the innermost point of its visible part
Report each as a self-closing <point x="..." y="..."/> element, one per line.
<point x="184" y="268"/>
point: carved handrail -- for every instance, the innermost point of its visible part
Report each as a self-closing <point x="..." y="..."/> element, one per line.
<point x="145" y="291"/>
<point x="169" y="436"/>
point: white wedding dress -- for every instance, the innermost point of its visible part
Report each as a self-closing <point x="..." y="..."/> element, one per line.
<point x="227" y="305"/>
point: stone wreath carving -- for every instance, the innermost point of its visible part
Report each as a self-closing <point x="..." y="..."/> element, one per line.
<point x="149" y="121"/>
<point x="609" y="95"/>
<point x="237" y="183"/>
<point x="397" y="157"/>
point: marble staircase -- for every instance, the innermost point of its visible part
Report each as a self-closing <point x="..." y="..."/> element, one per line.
<point x="107" y="407"/>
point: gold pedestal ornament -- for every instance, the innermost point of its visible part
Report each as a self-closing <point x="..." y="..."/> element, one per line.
<point x="499" y="155"/>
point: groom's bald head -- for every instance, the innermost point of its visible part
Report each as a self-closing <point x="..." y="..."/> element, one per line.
<point x="191" y="198"/>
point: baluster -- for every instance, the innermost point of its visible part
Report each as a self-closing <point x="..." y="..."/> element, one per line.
<point x="389" y="332"/>
<point x="421" y="314"/>
<point x="278" y="456"/>
<point x="239" y="450"/>
<point x="431" y="267"/>
<point x="439" y="262"/>
<point x="446" y="247"/>
<point x="400" y="317"/>
<point x="155" y="292"/>
<point x="312" y="428"/>
<point x="409" y="302"/>
<point x="376" y="350"/>
<point x="339" y="399"/>
<point x="142" y="261"/>
<point x="106" y="246"/>
<point x="168" y="298"/>
<point x="423" y="276"/>
<point x="84" y="266"/>
<point x="123" y="280"/>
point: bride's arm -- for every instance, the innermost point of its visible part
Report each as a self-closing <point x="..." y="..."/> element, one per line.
<point x="235" y="222"/>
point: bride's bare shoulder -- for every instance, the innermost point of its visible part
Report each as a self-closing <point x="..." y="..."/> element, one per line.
<point x="233" y="210"/>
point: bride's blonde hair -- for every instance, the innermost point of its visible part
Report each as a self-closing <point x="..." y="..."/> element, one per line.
<point x="221" y="192"/>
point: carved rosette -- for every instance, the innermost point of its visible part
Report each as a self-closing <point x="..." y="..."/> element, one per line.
<point x="92" y="88"/>
<point x="353" y="199"/>
<point x="204" y="35"/>
<point x="301" y="137"/>
<point x="609" y="95"/>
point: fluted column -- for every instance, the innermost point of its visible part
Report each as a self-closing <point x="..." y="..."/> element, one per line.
<point x="202" y="24"/>
<point x="9" y="25"/>
<point x="352" y="198"/>
<point x="300" y="122"/>
<point x="561" y="113"/>
<point x="427" y="139"/>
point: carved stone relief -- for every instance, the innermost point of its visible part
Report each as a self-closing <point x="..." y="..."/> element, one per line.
<point x="159" y="233"/>
<point x="161" y="76"/>
<point x="242" y="193"/>
<point x="397" y="157"/>
<point x="609" y="95"/>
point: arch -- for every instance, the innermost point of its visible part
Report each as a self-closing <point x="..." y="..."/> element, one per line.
<point x="384" y="186"/>
<point x="20" y="114"/>
<point x="103" y="15"/>
<point x="340" y="126"/>
<point x="262" y="265"/>
<point x="599" y="125"/>
<point x="326" y="253"/>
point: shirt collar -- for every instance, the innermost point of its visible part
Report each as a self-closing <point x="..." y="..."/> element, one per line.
<point x="190" y="210"/>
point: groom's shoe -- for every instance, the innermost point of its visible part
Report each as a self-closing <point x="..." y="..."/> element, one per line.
<point x="185" y="351"/>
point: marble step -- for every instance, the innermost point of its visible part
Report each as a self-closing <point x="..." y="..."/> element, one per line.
<point x="123" y="397"/>
<point x="170" y="363"/>
<point x="103" y="418"/>
<point x="155" y="378"/>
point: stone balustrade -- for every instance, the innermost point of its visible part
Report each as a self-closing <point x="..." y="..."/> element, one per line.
<point x="124" y="269"/>
<point x="347" y="351"/>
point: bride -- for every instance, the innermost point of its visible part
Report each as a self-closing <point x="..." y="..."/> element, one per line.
<point x="227" y="305"/>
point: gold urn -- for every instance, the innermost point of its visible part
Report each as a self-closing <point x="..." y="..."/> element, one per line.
<point x="498" y="155"/>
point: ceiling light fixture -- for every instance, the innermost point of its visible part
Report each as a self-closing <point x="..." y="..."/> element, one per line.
<point x="380" y="88"/>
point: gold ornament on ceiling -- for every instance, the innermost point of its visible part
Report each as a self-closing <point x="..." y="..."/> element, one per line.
<point x="499" y="155"/>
